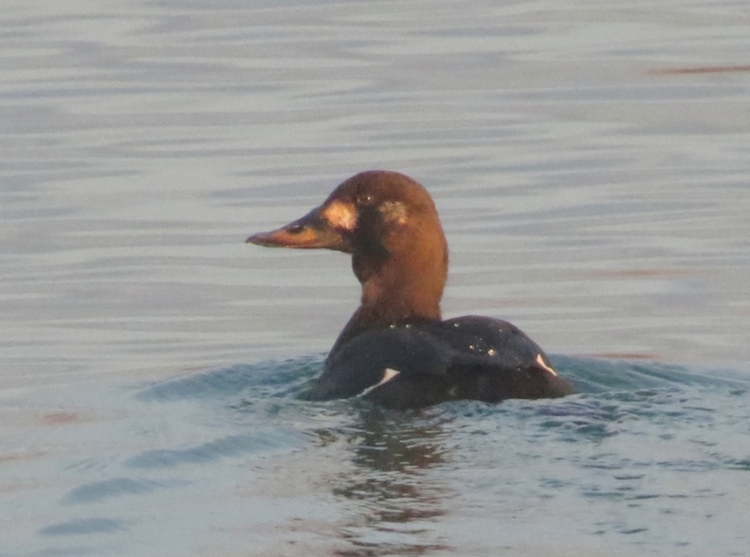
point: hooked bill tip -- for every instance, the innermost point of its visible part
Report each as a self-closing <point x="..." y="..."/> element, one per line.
<point x="272" y="239"/>
<point x="255" y="238"/>
<point x="293" y="236"/>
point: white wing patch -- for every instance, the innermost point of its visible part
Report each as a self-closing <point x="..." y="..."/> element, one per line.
<point x="543" y="365"/>
<point x="388" y="375"/>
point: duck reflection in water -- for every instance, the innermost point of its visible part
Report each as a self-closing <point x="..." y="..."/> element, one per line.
<point x="393" y="498"/>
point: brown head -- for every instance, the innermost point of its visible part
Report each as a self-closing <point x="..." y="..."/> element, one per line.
<point x="389" y="224"/>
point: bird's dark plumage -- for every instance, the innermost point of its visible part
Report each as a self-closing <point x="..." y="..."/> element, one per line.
<point x="396" y="350"/>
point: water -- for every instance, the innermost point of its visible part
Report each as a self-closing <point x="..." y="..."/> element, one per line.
<point x="646" y="458"/>
<point x="593" y="189"/>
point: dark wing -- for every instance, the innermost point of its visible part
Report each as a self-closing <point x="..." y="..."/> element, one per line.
<point x="375" y="357"/>
<point x="483" y="340"/>
<point x="425" y="363"/>
<point x="493" y="360"/>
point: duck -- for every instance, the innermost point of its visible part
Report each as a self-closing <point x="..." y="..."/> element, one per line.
<point x="396" y="350"/>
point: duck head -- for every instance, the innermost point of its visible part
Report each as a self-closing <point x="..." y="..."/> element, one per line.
<point x="389" y="224"/>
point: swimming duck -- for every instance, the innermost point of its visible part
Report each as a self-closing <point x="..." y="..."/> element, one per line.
<point x="396" y="350"/>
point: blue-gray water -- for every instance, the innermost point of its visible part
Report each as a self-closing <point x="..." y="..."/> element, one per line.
<point x="591" y="164"/>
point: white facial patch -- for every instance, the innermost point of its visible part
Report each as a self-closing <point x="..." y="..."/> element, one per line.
<point x="388" y="375"/>
<point x="341" y="215"/>
<point x="394" y="211"/>
<point x="543" y="365"/>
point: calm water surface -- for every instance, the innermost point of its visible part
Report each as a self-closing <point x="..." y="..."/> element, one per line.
<point x="591" y="163"/>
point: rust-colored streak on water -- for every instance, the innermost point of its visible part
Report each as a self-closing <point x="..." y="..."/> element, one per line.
<point x="700" y="70"/>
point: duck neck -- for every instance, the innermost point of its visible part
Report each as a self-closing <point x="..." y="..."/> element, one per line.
<point x="390" y="297"/>
<point x="399" y="287"/>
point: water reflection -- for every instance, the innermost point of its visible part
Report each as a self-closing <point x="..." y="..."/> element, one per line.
<point x="395" y="503"/>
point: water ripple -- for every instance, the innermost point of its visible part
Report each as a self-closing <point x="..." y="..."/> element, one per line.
<point x="82" y="526"/>
<point x="229" y="446"/>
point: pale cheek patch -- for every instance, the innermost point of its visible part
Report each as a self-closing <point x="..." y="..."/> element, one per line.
<point x="543" y="365"/>
<point x="395" y="211"/>
<point x="388" y="375"/>
<point x="341" y="215"/>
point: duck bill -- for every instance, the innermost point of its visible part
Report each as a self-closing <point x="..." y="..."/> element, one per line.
<point x="310" y="232"/>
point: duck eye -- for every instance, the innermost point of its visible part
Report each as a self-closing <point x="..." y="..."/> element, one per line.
<point x="366" y="199"/>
